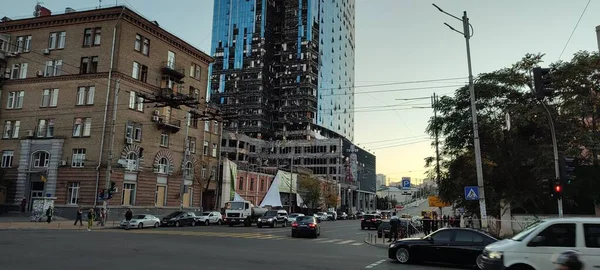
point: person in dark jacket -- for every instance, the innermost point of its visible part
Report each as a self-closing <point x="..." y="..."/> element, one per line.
<point x="90" y="216"/>
<point x="394" y="227"/>
<point x="49" y="214"/>
<point x="128" y="217"/>
<point x="79" y="217"/>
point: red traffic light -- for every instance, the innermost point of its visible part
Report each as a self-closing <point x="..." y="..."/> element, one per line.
<point x="557" y="188"/>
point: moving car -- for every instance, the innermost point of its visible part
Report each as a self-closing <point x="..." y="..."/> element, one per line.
<point x="369" y="221"/>
<point x="208" y="218"/>
<point x="459" y="246"/>
<point x="179" y="218"/>
<point x="141" y="221"/>
<point x="306" y="225"/>
<point x="342" y="216"/>
<point x="272" y="218"/>
<point x="384" y="229"/>
<point x="292" y="217"/>
<point x="532" y="248"/>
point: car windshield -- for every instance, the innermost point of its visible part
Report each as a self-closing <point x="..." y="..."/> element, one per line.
<point x="139" y="217"/>
<point x="205" y="214"/>
<point x="369" y="216"/>
<point x="271" y="214"/>
<point x="305" y="219"/>
<point x="520" y="236"/>
<point x="236" y="206"/>
<point x="385" y="225"/>
<point x="174" y="214"/>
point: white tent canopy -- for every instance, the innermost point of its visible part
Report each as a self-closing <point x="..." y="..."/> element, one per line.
<point x="273" y="198"/>
<point x="238" y="198"/>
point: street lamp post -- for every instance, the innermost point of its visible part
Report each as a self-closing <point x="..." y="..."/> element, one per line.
<point x="467" y="33"/>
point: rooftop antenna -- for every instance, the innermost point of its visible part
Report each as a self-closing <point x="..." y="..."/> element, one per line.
<point x="99" y="3"/>
<point x="38" y="8"/>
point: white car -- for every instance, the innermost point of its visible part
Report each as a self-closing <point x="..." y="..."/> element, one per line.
<point x="292" y="217"/>
<point x="141" y="221"/>
<point x="208" y="218"/>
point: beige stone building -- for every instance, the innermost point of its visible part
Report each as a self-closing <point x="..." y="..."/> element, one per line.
<point x="65" y="77"/>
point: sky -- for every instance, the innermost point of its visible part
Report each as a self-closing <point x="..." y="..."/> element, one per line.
<point x="398" y="43"/>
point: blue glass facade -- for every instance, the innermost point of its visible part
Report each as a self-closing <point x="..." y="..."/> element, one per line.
<point x="284" y="68"/>
<point x="336" y="69"/>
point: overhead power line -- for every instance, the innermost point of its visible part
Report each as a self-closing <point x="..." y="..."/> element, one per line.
<point x="574" y="28"/>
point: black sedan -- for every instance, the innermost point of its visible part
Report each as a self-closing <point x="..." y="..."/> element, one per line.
<point x="179" y="218"/>
<point x="458" y="246"/>
<point x="306" y="225"/>
<point x="370" y="221"/>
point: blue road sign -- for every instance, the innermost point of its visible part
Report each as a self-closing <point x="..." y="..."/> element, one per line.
<point x="406" y="183"/>
<point x="471" y="193"/>
<point x="461" y="210"/>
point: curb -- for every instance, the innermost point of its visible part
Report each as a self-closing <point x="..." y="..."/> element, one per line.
<point x="375" y="245"/>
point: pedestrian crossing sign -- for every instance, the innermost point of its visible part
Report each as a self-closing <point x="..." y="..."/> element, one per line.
<point x="471" y="193"/>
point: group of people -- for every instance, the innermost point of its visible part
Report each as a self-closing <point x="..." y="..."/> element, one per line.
<point x="92" y="214"/>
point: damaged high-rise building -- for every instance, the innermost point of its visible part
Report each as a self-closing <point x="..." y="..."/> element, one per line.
<point x="284" y="69"/>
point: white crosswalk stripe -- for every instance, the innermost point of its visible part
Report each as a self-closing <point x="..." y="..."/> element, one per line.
<point x="345" y="242"/>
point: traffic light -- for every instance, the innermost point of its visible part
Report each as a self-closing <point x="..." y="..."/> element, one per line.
<point x="101" y="194"/>
<point x="547" y="188"/>
<point x="567" y="170"/>
<point x="557" y="189"/>
<point x="542" y="82"/>
<point x="111" y="190"/>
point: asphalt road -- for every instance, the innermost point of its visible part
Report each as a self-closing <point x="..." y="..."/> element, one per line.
<point x="423" y="206"/>
<point x="340" y="246"/>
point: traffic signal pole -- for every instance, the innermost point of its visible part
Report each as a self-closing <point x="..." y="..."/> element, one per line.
<point x="556" y="161"/>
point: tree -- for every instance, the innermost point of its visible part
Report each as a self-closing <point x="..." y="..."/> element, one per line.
<point x="330" y="194"/>
<point x="514" y="161"/>
<point x="311" y="187"/>
<point x="200" y="167"/>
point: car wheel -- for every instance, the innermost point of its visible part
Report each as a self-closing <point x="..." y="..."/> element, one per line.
<point x="315" y="235"/>
<point x="259" y="225"/>
<point x="273" y="224"/>
<point x="319" y="232"/>
<point x="220" y="222"/>
<point x="379" y="235"/>
<point x="362" y="228"/>
<point x="402" y="255"/>
<point x="284" y="224"/>
<point x="141" y="225"/>
<point x="156" y="225"/>
<point x="177" y="224"/>
<point x="193" y="223"/>
<point x="294" y="235"/>
<point x="206" y="222"/>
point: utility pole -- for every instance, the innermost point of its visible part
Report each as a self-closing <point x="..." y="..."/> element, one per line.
<point x="434" y="100"/>
<point x="467" y="33"/>
<point x="111" y="145"/>
<point x="291" y="182"/>
<point x="186" y="151"/>
<point x="556" y="161"/>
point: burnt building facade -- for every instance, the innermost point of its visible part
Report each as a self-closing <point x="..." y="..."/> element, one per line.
<point x="283" y="69"/>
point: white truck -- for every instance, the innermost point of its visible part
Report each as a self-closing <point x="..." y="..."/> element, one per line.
<point x="242" y="213"/>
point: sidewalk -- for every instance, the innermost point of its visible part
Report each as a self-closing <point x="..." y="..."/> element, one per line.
<point x="22" y="222"/>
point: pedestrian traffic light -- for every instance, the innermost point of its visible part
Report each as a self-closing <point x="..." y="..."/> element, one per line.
<point x="101" y="194"/>
<point x="567" y="170"/>
<point x="111" y="190"/>
<point x="558" y="189"/>
<point x="542" y="82"/>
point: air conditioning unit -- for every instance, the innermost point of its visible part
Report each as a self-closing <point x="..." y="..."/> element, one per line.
<point x="187" y="152"/>
<point x="63" y="163"/>
<point x="40" y="73"/>
<point x="156" y="112"/>
<point x="7" y="75"/>
<point x="129" y="140"/>
<point x="46" y="51"/>
<point x="155" y="118"/>
<point x="29" y="133"/>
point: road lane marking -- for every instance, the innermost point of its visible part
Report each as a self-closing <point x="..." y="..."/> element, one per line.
<point x="374" y="264"/>
<point x="345" y="242"/>
<point x="330" y="241"/>
<point x="357" y="244"/>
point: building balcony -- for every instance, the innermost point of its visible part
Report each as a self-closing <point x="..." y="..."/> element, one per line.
<point x="173" y="70"/>
<point x="171" y="94"/>
<point x="171" y="125"/>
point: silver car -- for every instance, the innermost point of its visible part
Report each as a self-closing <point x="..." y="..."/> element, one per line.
<point x="292" y="217"/>
<point x="141" y="221"/>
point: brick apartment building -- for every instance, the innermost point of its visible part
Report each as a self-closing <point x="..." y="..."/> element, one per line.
<point x="64" y="78"/>
<point x="253" y="184"/>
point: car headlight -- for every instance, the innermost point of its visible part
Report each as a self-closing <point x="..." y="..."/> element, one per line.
<point x="392" y="245"/>
<point x="259" y="220"/>
<point x="495" y="255"/>
<point x="270" y="219"/>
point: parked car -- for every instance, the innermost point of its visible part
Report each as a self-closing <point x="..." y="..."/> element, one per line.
<point x="272" y="218"/>
<point x="306" y="225"/>
<point x="360" y="214"/>
<point x="208" y="218"/>
<point x="141" y="221"/>
<point x="332" y="216"/>
<point x="533" y="247"/>
<point x="351" y="216"/>
<point x="179" y="218"/>
<point x="342" y="215"/>
<point x="370" y="221"/>
<point x="321" y="216"/>
<point x="384" y="229"/>
<point x="458" y="246"/>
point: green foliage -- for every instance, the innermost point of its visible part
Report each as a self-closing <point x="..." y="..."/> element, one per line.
<point x="514" y="161"/>
<point x="311" y="188"/>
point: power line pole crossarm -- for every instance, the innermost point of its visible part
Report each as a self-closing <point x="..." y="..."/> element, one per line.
<point x="467" y="33"/>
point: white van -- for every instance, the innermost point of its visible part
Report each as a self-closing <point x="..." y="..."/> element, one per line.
<point x="533" y="248"/>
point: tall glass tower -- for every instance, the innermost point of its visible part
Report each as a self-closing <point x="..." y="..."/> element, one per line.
<point x="284" y="68"/>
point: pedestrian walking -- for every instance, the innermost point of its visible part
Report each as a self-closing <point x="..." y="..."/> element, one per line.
<point x="394" y="227"/>
<point x="128" y="216"/>
<point x="49" y="214"/>
<point x="101" y="216"/>
<point x="79" y="217"/>
<point x="23" y="204"/>
<point x="90" y="216"/>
